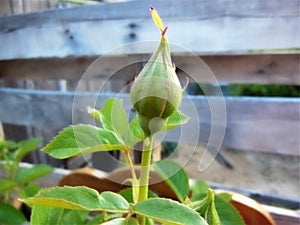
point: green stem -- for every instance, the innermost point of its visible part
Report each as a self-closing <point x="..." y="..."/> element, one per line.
<point x="145" y="171"/>
<point x="11" y="170"/>
<point x="134" y="182"/>
<point x="129" y="160"/>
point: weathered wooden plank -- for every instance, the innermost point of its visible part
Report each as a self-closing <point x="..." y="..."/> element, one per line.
<point x="274" y="120"/>
<point x="283" y="216"/>
<point x="260" y="124"/>
<point x="210" y="27"/>
<point x="244" y="68"/>
<point x="9" y="7"/>
<point x="1" y="132"/>
<point x="139" y="9"/>
<point x="272" y="68"/>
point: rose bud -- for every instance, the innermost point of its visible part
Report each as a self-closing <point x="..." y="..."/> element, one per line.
<point x="156" y="92"/>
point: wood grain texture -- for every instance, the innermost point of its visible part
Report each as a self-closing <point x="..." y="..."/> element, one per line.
<point x="139" y="9"/>
<point x="9" y="7"/>
<point x="209" y="27"/>
<point x="1" y="132"/>
<point x="255" y="124"/>
<point x="270" y="68"/>
<point x="283" y="216"/>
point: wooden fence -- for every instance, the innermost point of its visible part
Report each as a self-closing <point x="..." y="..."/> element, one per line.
<point x="12" y="7"/>
<point x="241" y="42"/>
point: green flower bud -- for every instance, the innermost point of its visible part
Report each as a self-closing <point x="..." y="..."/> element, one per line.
<point x="156" y="92"/>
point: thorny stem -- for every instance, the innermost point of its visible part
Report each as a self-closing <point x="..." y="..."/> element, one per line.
<point x="145" y="171"/>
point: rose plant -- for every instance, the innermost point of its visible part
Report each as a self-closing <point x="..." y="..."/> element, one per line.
<point x="155" y="95"/>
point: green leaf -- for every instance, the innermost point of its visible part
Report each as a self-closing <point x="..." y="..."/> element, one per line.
<point x="175" y="177"/>
<point x="113" y="202"/>
<point x="206" y="208"/>
<point x="168" y="211"/>
<point x="121" y="221"/>
<point x="136" y="128"/>
<point x="149" y="221"/>
<point x="212" y="214"/>
<point x="46" y="215"/>
<point x="81" y="139"/>
<point x="9" y="215"/>
<point x="227" y="212"/>
<point x="176" y="119"/>
<point x="49" y="216"/>
<point x="29" y="190"/>
<point x="225" y="196"/>
<point x="113" y="116"/>
<point x="96" y="220"/>
<point x="135" y="133"/>
<point x="94" y="113"/>
<point x="26" y="147"/>
<point x="79" y="198"/>
<point x="30" y="174"/>
<point x="6" y="185"/>
<point x="131" y="221"/>
<point x="76" y="216"/>
<point x="199" y="190"/>
<point x="7" y="144"/>
<point x="127" y="194"/>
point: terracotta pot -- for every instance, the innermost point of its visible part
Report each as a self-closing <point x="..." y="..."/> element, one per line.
<point x="114" y="181"/>
<point x="252" y="212"/>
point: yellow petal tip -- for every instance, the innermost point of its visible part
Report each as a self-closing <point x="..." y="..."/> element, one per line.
<point x="156" y="19"/>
